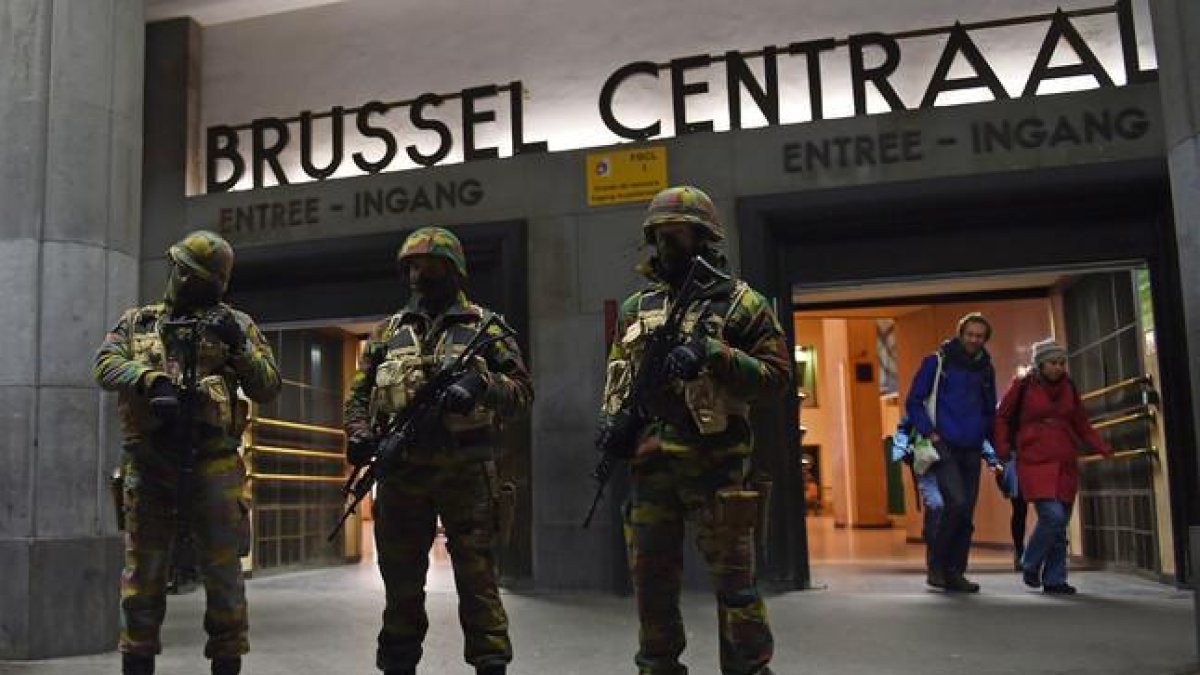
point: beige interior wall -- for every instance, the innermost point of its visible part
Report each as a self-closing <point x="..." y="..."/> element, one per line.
<point x="835" y="400"/>
<point x="868" y="468"/>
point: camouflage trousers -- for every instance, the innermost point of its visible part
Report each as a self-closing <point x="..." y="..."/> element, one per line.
<point x="408" y="504"/>
<point x="219" y="531"/>
<point x="667" y="490"/>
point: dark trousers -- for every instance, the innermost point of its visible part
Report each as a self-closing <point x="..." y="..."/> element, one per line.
<point x="1019" y="509"/>
<point x="957" y="474"/>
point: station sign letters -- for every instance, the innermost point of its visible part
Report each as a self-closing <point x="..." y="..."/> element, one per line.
<point x="228" y="161"/>
<point x="257" y="218"/>
<point x="982" y="137"/>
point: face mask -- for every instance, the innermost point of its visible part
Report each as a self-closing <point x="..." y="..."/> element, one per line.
<point x="436" y="290"/>
<point x="190" y="291"/>
<point x="674" y="259"/>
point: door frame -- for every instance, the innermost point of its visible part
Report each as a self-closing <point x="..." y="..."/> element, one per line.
<point x="971" y="224"/>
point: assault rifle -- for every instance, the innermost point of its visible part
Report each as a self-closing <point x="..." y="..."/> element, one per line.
<point x="182" y="340"/>
<point x="625" y="426"/>
<point x="407" y="428"/>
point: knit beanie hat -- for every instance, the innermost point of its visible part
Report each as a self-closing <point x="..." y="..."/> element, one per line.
<point x="1046" y="350"/>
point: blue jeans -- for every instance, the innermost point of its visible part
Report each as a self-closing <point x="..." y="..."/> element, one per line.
<point x="931" y="498"/>
<point x="1046" y="552"/>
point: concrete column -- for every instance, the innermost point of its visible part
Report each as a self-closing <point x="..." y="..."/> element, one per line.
<point x="70" y="184"/>
<point x="1176" y="36"/>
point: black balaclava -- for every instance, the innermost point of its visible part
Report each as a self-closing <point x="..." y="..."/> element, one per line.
<point x="673" y="257"/>
<point x="433" y="293"/>
<point x="187" y="290"/>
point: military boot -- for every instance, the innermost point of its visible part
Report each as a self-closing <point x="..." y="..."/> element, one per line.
<point x="137" y="664"/>
<point x="227" y="665"/>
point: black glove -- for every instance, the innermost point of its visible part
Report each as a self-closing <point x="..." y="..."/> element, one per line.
<point x="230" y="332"/>
<point x="616" y="435"/>
<point x="685" y="361"/>
<point x="462" y="396"/>
<point x="164" y="398"/>
<point x="360" y="448"/>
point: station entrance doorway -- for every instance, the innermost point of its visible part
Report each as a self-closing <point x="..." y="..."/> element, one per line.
<point x="1085" y="255"/>
<point x="316" y="303"/>
<point x="857" y="351"/>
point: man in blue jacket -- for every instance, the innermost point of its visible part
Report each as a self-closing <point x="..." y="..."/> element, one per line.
<point x="959" y="427"/>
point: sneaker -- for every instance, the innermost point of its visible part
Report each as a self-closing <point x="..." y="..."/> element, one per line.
<point x="1059" y="589"/>
<point x="1031" y="578"/>
<point x="959" y="584"/>
<point x="936" y="579"/>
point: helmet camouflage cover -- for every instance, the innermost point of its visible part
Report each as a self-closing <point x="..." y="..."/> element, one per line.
<point x="206" y="254"/>
<point x="682" y="203"/>
<point x="435" y="241"/>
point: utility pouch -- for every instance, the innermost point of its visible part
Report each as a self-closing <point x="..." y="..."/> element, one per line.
<point x="504" y="502"/>
<point x="244" y="537"/>
<point x="506" y="508"/>
<point x="116" y="488"/>
<point x="763" y="484"/>
<point x="737" y="509"/>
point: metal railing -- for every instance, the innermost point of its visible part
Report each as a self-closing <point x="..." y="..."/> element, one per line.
<point x="1141" y="380"/>
<point x="1123" y="454"/>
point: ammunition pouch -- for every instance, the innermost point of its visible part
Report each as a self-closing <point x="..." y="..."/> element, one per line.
<point x="710" y="406"/>
<point x="217" y="403"/>
<point x="737" y="509"/>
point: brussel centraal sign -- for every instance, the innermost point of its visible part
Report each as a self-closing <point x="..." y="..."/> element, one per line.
<point x="228" y="158"/>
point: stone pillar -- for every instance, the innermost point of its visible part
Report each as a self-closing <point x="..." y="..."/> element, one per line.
<point x="70" y="186"/>
<point x="1177" y="40"/>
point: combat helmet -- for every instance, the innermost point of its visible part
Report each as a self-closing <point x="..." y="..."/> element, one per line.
<point x="205" y="254"/>
<point x="435" y="241"/>
<point x="682" y="203"/>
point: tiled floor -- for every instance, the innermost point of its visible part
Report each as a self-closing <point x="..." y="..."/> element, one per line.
<point x="869" y="614"/>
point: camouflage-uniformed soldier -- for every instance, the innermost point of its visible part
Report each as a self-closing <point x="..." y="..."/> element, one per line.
<point x="691" y="461"/>
<point x="142" y="360"/>
<point x="451" y="474"/>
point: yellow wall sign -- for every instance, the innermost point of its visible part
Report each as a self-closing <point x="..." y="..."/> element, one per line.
<point x="620" y="176"/>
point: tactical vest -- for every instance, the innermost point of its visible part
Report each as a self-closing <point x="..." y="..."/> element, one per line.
<point x="219" y="406"/>
<point x="708" y="401"/>
<point x="408" y="364"/>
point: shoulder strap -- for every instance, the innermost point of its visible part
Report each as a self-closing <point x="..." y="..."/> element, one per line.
<point x="931" y="402"/>
<point x="1014" y="419"/>
<point x="740" y="288"/>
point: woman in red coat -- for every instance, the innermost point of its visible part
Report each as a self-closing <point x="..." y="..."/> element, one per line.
<point x="1052" y="429"/>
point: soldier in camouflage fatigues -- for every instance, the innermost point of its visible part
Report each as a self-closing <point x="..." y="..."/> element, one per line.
<point x="691" y="462"/>
<point x="452" y="475"/>
<point x="141" y="361"/>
